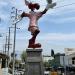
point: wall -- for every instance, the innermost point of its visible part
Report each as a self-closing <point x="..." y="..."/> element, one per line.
<point x="0" y="69"/>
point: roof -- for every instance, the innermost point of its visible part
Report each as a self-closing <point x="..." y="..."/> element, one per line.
<point x="4" y="56"/>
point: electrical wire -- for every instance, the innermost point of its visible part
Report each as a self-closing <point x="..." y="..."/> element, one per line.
<point x="62" y="7"/>
<point x="39" y="0"/>
<point x="65" y="5"/>
<point x="59" y="1"/>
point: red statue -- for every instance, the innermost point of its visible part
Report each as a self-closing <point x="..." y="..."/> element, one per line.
<point x="34" y="17"/>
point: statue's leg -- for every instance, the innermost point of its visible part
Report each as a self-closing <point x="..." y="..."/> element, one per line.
<point x="34" y="35"/>
<point x="32" y="40"/>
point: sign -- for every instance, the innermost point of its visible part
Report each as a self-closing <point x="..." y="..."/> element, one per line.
<point x="69" y="51"/>
<point x="5" y="71"/>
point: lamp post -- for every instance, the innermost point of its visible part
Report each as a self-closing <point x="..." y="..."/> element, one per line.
<point x="15" y="27"/>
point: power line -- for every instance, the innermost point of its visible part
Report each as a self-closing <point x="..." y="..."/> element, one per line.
<point x="65" y="5"/>
<point x="62" y="7"/>
<point x="59" y="1"/>
<point x="42" y="0"/>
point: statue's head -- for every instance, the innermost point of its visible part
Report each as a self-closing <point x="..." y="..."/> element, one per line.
<point x="34" y="6"/>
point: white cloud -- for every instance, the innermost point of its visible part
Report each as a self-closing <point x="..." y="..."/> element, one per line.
<point x="51" y="37"/>
<point x="57" y="37"/>
<point x="64" y="20"/>
<point x="2" y="3"/>
<point x="4" y="17"/>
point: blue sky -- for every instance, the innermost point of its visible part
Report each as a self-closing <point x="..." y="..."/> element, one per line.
<point x="57" y="25"/>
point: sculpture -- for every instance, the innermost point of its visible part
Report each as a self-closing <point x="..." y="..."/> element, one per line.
<point x="34" y="17"/>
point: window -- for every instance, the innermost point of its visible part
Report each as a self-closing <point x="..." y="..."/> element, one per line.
<point x="73" y="60"/>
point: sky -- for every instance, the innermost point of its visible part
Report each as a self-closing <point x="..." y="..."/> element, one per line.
<point x="57" y="26"/>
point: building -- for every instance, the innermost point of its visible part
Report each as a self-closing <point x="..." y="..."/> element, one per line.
<point x="70" y="56"/>
<point x="70" y="59"/>
<point x="3" y="63"/>
<point x="59" y="59"/>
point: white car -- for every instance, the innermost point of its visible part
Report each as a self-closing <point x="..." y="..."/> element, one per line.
<point x="46" y="72"/>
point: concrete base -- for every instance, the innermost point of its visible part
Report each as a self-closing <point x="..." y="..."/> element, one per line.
<point x="34" y="64"/>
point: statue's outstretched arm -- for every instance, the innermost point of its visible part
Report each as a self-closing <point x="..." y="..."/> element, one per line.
<point x="49" y="1"/>
<point x="43" y="12"/>
<point x="51" y="5"/>
<point x="26" y="2"/>
<point x="24" y="15"/>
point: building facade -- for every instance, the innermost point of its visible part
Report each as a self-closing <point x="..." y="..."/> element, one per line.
<point x="70" y="57"/>
<point x="3" y="64"/>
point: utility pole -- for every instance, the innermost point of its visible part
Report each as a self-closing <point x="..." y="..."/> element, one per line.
<point x="6" y="45"/>
<point x="3" y="49"/>
<point x="15" y="27"/>
<point x="9" y="46"/>
<point x="8" y="41"/>
<point x="14" y="44"/>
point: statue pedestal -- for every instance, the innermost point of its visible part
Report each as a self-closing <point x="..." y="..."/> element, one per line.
<point x="34" y="63"/>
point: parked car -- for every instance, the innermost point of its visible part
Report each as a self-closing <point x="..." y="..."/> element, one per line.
<point x="46" y="72"/>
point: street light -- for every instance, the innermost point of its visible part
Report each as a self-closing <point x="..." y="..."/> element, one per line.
<point x="15" y="23"/>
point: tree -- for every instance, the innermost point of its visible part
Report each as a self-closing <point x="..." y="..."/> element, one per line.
<point x="52" y="52"/>
<point x="46" y="64"/>
<point x="23" y="56"/>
